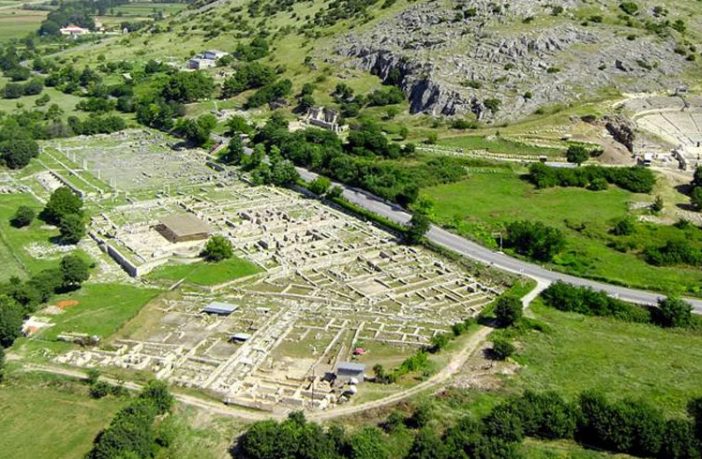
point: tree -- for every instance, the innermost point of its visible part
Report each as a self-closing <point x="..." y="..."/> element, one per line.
<point x="11" y="318"/>
<point x="426" y="445"/>
<point x="156" y="392"/>
<point x="74" y="271"/>
<point x="679" y="441"/>
<point x="439" y="341"/>
<point x="673" y="312"/>
<point x="23" y="217"/>
<point x="17" y="153"/>
<point x="218" y="248"/>
<point x="508" y="310"/>
<point x="283" y="173"/>
<point x="696" y="197"/>
<point x="534" y="239"/>
<point x="319" y="186"/>
<point x="62" y="202"/>
<point x="504" y="423"/>
<point x="368" y="443"/>
<point x="186" y="87"/>
<point x="238" y="125"/>
<point x="235" y="151"/>
<point x="197" y="130"/>
<point x="72" y="228"/>
<point x="501" y="348"/>
<point x="577" y="154"/>
<point x="416" y="229"/>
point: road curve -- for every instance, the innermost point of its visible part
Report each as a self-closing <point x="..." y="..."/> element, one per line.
<point x="475" y="251"/>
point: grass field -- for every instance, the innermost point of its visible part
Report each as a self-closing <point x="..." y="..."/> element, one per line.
<point x="203" y="273"/>
<point x="13" y="241"/>
<point x="101" y="309"/>
<point x="498" y="145"/>
<point x="67" y="102"/>
<point x="16" y="23"/>
<point x="578" y="353"/>
<point x="481" y="205"/>
<point x="47" y="416"/>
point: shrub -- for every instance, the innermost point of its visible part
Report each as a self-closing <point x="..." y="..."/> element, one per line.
<point x="623" y="227"/>
<point x="508" y="310"/>
<point x="577" y="154"/>
<point x="319" y="186"/>
<point x="502" y="349"/>
<point x="72" y="228"/>
<point x="218" y="248"/>
<point x="23" y="217"/>
<point x="673" y="312"/>
<point x="585" y="300"/>
<point x="534" y="239"/>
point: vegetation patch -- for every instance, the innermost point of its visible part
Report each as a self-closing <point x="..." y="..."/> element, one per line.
<point x="575" y="353"/>
<point x="206" y="273"/>
<point x="64" y="426"/>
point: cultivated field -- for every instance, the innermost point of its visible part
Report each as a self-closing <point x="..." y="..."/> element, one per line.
<point x="16" y="23"/>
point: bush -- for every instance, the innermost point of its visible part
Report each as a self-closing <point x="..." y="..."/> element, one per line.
<point x="218" y="248"/>
<point x="74" y="271"/>
<point x="23" y="217"/>
<point x="502" y="349"/>
<point x="319" y="186"/>
<point x="11" y="318"/>
<point x="508" y="310"/>
<point x="62" y="202"/>
<point x="416" y="229"/>
<point x="72" y="229"/>
<point x="577" y="154"/>
<point x="546" y="415"/>
<point x="534" y="239"/>
<point x="584" y="300"/>
<point x="673" y="312"/>
<point x="635" y="179"/>
<point x="623" y="227"/>
<point x="100" y="389"/>
<point x="674" y="252"/>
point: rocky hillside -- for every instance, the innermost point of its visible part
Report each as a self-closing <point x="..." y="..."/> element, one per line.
<point x="505" y="61"/>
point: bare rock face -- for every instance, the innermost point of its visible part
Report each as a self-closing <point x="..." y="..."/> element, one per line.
<point x="622" y="129"/>
<point x="449" y="61"/>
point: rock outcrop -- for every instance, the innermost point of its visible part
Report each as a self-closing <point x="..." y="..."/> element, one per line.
<point x="450" y="61"/>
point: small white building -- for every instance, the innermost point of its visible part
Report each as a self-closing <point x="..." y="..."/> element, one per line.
<point x="214" y="54"/>
<point x="74" y="31"/>
<point x="200" y="63"/>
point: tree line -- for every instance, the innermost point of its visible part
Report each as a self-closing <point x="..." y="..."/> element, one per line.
<point x="624" y="426"/>
<point x="670" y="312"/>
<point x="635" y="179"/>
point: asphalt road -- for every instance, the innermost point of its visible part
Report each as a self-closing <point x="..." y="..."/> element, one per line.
<point x="482" y="254"/>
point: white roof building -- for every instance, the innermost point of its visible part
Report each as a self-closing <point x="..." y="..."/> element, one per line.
<point x="74" y="31"/>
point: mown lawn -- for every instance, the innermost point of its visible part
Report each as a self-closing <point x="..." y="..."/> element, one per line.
<point x="622" y="359"/>
<point x="204" y="273"/>
<point x="480" y="206"/>
<point x="48" y="416"/>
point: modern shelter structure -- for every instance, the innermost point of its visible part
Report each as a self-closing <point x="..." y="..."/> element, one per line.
<point x="183" y="227"/>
